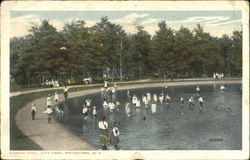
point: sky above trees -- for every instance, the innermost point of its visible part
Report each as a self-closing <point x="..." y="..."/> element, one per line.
<point x="216" y="23"/>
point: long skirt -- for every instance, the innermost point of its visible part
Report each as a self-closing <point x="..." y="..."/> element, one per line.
<point x="104" y="136"/>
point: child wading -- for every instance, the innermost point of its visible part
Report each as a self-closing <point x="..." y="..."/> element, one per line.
<point x="198" y="90"/>
<point x="182" y="102"/>
<point x="153" y="107"/>
<point x="33" y="111"/>
<point x="115" y="136"/>
<point x="85" y="112"/>
<point x="94" y="113"/>
<point x="104" y="135"/>
<point x="201" y="104"/>
<point x="191" y="102"/>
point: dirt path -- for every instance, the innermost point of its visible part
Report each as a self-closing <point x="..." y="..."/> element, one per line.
<point x="53" y="136"/>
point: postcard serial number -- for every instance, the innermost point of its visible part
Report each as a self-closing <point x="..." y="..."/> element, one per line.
<point x="215" y="139"/>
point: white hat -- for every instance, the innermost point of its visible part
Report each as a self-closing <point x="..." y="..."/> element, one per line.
<point x="94" y="106"/>
<point x="34" y="104"/>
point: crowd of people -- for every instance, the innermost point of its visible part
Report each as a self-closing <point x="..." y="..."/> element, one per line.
<point x="147" y="103"/>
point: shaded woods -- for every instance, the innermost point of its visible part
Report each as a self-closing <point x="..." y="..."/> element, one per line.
<point x="106" y="51"/>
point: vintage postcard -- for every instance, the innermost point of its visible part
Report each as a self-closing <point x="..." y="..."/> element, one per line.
<point x="125" y="80"/>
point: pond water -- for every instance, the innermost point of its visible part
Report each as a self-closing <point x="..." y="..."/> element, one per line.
<point x="168" y="129"/>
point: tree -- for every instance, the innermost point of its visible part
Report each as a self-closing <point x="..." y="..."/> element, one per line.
<point x="163" y="50"/>
<point x="141" y="48"/>
<point x="235" y="54"/>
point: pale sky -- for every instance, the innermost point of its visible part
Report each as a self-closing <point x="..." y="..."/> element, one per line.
<point x="216" y="23"/>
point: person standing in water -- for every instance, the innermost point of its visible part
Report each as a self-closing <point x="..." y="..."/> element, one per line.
<point x="168" y="99"/>
<point x="182" y="102"/>
<point x="105" y="105"/>
<point x="33" y="111"/>
<point x="222" y="88"/>
<point x="134" y="100"/>
<point x="118" y="105"/>
<point x="88" y="104"/>
<point x="94" y="113"/>
<point x="191" y="102"/>
<point x="128" y="95"/>
<point x="198" y="90"/>
<point x="85" y="111"/>
<point x="201" y="103"/>
<point x="127" y="109"/>
<point x="155" y="98"/>
<point x="104" y="136"/>
<point x="153" y="107"/>
<point x="148" y="97"/>
<point x="115" y="136"/>
<point x="161" y="98"/>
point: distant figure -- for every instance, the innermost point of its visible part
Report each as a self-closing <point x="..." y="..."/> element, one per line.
<point x="161" y="98"/>
<point x="115" y="136"/>
<point x="56" y="97"/>
<point x="155" y="98"/>
<point x="134" y="100"/>
<point x="127" y="109"/>
<point x="118" y="105"/>
<point x="49" y="103"/>
<point x="153" y="107"/>
<point x="105" y="105"/>
<point x="104" y="136"/>
<point x="198" y="90"/>
<point x="65" y="92"/>
<point x="85" y="111"/>
<point x="49" y="112"/>
<point x="113" y="94"/>
<point x="115" y="85"/>
<point x="111" y="106"/>
<point x="222" y="88"/>
<point x="182" y="102"/>
<point x="94" y="112"/>
<point x="88" y="104"/>
<point x="214" y="76"/>
<point x="145" y="101"/>
<point x="168" y="99"/>
<point x="33" y="111"/>
<point x="138" y="104"/>
<point x="128" y="95"/>
<point x="191" y="102"/>
<point x="201" y="103"/>
<point x="149" y="97"/>
<point x="228" y="109"/>
<point x="105" y="84"/>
